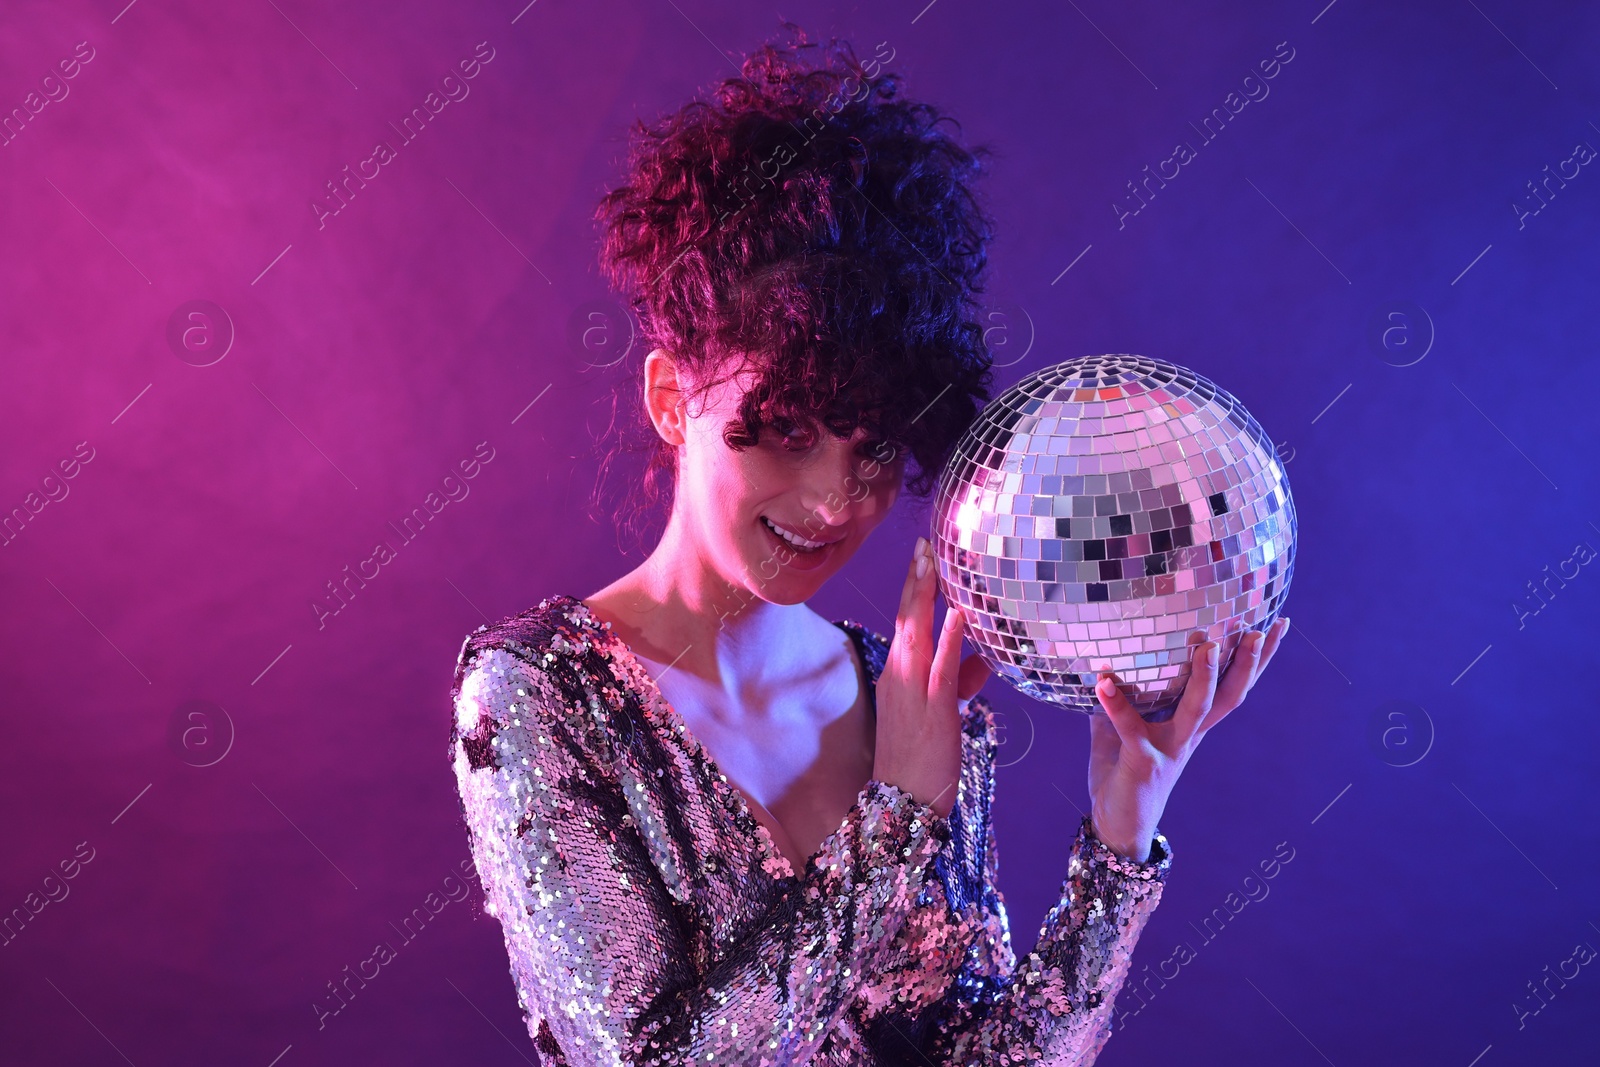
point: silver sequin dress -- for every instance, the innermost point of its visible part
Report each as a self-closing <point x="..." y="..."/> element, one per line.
<point x="650" y="919"/>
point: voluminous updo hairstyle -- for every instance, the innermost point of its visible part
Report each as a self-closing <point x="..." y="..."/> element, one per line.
<point x="808" y="221"/>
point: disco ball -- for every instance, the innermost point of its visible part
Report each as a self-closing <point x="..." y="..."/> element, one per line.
<point x="1105" y="514"/>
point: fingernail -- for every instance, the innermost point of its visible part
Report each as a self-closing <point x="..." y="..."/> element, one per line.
<point x="1211" y="654"/>
<point x="1286" y="624"/>
<point x="1106" y="684"/>
<point x="922" y="556"/>
<point x="1256" y="637"/>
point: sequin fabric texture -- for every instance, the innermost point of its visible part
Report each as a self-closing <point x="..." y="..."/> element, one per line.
<point x="1098" y="513"/>
<point x="650" y="919"/>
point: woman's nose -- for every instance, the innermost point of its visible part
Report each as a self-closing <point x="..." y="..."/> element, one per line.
<point x="828" y="493"/>
<point x="832" y="516"/>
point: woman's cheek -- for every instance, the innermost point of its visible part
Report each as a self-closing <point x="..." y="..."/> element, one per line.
<point x="886" y="491"/>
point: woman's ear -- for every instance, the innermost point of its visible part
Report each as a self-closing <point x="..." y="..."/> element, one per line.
<point x="663" y="398"/>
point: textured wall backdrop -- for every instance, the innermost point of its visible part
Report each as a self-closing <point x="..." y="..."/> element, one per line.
<point x="279" y="274"/>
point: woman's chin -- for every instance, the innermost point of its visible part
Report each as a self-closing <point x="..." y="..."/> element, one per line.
<point x="779" y="582"/>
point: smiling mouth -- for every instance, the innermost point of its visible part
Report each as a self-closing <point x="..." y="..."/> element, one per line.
<point x="794" y="540"/>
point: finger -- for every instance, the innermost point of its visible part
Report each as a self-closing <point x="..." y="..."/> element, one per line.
<point x="1104" y="746"/>
<point x="942" y="684"/>
<point x="907" y="589"/>
<point x="902" y="628"/>
<point x="1275" y="636"/>
<point x="1103" y="738"/>
<point x="1253" y="660"/>
<point x="1200" y="690"/>
<point x="914" y="628"/>
<point x="1130" y="725"/>
<point x="1241" y="672"/>
<point x="974" y="673"/>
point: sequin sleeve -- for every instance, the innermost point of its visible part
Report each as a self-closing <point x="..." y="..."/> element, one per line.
<point x="600" y="947"/>
<point x="1054" y="1007"/>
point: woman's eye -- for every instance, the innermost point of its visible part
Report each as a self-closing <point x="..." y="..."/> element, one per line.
<point x="880" y="451"/>
<point x="795" y="438"/>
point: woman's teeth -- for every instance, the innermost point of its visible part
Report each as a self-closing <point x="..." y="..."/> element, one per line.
<point x="798" y="542"/>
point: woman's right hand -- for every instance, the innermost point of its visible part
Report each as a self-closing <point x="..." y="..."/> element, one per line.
<point x="919" y="693"/>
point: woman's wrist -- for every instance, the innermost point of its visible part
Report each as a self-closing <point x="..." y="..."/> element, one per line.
<point x="1137" y="851"/>
<point x="1093" y="852"/>
<point x="928" y="808"/>
<point x="911" y="818"/>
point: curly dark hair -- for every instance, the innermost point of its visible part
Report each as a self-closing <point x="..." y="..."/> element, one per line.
<point x="810" y="221"/>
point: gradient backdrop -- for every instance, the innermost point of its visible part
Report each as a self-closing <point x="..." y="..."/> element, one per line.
<point x="251" y="795"/>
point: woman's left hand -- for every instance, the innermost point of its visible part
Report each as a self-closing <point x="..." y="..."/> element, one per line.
<point x="1134" y="764"/>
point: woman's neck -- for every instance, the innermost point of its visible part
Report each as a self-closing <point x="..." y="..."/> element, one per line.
<point x="675" y="609"/>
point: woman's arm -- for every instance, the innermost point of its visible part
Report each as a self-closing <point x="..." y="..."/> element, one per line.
<point x="1055" y="1006"/>
<point x="598" y="946"/>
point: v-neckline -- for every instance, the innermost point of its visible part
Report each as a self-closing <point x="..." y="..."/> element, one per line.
<point x="698" y="750"/>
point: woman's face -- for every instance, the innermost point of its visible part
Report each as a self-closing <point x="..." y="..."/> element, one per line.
<point x="826" y="493"/>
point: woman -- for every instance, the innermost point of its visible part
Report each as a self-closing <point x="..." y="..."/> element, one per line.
<point x="715" y="827"/>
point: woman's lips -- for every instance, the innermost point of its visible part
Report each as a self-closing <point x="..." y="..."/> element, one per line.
<point x="796" y="557"/>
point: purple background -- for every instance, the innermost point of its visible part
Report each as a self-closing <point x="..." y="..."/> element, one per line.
<point x="373" y="354"/>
